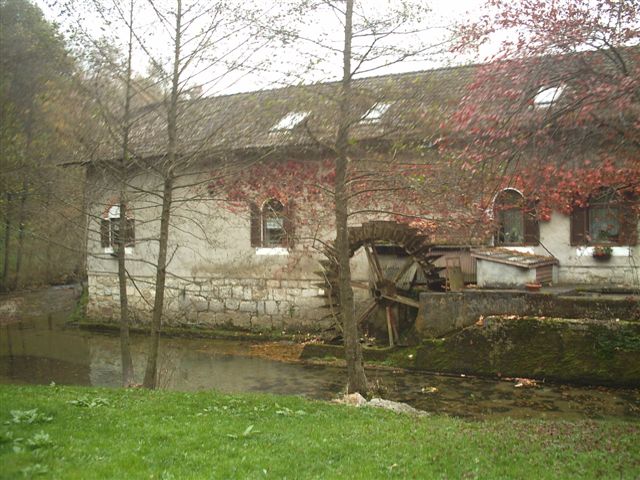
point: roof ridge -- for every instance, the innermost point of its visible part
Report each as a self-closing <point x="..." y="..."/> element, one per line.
<point x="275" y="90"/>
<point x="336" y="82"/>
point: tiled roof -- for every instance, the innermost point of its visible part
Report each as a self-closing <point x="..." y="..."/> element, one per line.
<point x="419" y="102"/>
<point x="515" y="258"/>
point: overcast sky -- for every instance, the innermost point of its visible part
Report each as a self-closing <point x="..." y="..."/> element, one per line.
<point x="323" y="26"/>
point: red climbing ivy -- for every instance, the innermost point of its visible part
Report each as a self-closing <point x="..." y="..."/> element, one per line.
<point x="500" y="135"/>
<point x="589" y="136"/>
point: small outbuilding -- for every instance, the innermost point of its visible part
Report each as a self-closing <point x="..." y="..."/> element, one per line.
<point x="505" y="268"/>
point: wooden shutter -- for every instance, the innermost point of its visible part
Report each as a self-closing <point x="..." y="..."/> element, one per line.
<point x="628" y="221"/>
<point x="104" y="233"/>
<point x="579" y="225"/>
<point x="289" y="224"/>
<point x="115" y="232"/>
<point x="256" y="225"/>
<point x="531" y="226"/>
<point x="130" y="233"/>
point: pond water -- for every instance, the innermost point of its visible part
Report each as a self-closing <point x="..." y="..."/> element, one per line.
<point x="37" y="347"/>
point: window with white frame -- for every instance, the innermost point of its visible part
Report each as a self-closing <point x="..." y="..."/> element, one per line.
<point x="110" y="230"/>
<point x="273" y="232"/>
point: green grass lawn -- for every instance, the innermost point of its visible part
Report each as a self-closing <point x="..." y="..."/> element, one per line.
<point x="84" y="433"/>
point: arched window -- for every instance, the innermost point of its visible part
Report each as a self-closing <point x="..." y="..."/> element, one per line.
<point x="608" y="219"/>
<point x="271" y="224"/>
<point x="517" y="222"/>
<point x="110" y="229"/>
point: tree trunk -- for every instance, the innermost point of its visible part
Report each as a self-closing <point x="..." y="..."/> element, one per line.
<point x="151" y="373"/>
<point x="125" y="350"/>
<point x="48" y="262"/>
<point x="82" y="268"/>
<point x="7" y="243"/>
<point x="23" y="195"/>
<point x="356" y="379"/>
<point x="21" y="221"/>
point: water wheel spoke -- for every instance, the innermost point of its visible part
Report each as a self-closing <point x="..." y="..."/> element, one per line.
<point x="392" y="329"/>
<point x="376" y="260"/>
<point x="402" y="299"/>
<point x="361" y="285"/>
<point x="366" y="313"/>
<point x="374" y="264"/>
<point x="407" y="265"/>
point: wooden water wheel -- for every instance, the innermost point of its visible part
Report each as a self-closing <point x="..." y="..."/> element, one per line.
<point x="389" y="285"/>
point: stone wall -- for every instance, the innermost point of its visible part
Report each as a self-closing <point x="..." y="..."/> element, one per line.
<point x="258" y="304"/>
<point x="443" y="313"/>
<point x="576" y="263"/>
<point x="577" y="351"/>
<point x="596" y="352"/>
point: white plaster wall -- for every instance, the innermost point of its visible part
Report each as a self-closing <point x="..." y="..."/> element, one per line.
<point x="578" y="266"/>
<point x="498" y="275"/>
<point x="215" y="276"/>
<point x="205" y="239"/>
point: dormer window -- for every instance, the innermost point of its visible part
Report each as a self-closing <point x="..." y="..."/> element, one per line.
<point x="289" y="121"/>
<point x="375" y="113"/>
<point x="547" y="96"/>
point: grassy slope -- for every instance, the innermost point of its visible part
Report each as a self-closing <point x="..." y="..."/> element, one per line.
<point x="142" y="434"/>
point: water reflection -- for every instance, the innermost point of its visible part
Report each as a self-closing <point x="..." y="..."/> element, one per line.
<point x="193" y="364"/>
<point x="40" y="349"/>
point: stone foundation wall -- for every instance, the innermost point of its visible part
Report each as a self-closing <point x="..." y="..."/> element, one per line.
<point x="442" y="313"/>
<point x="594" y="352"/>
<point x="577" y="351"/>
<point x="258" y="304"/>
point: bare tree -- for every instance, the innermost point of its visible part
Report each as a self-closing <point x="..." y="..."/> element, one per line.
<point x="205" y="37"/>
<point x="108" y="86"/>
<point x="356" y="379"/>
<point x="371" y="40"/>
<point x="211" y="45"/>
<point x="125" y="350"/>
